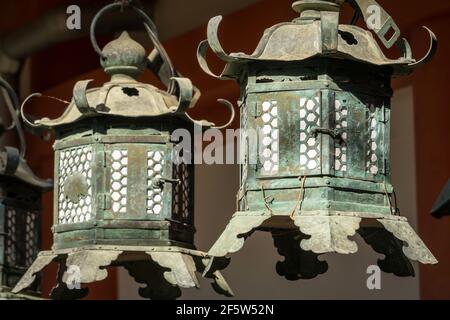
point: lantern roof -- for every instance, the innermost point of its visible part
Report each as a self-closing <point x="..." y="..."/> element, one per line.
<point x="14" y="166"/>
<point x="316" y="33"/>
<point x="293" y="41"/>
<point x="124" y="96"/>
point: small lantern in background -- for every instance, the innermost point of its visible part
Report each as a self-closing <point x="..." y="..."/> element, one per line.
<point x="121" y="199"/>
<point x="20" y="205"/>
<point x="319" y="92"/>
<point x="441" y="207"/>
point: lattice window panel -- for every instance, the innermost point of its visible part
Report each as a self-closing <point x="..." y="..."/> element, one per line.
<point x="372" y="145"/>
<point x="10" y="250"/>
<point x="270" y="138"/>
<point x="341" y="124"/>
<point x="31" y="240"/>
<point x="309" y="144"/>
<point x="182" y="192"/>
<point x="119" y="180"/>
<point x="155" y="162"/>
<point x="22" y="243"/>
<point x="72" y="161"/>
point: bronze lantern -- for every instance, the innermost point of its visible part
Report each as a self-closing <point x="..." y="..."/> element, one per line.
<point x="121" y="197"/>
<point x="319" y="93"/>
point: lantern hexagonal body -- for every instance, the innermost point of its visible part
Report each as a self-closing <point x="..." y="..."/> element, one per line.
<point x="114" y="186"/>
<point x="122" y="197"/>
<point x="318" y="92"/>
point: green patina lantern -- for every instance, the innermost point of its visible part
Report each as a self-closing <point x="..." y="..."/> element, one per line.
<point x="319" y="92"/>
<point x="20" y="206"/>
<point x="121" y="197"/>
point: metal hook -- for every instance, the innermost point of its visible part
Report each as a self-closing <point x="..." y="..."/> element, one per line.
<point x="213" y="42"/>
<point x="387" y="23"/>
<point x="165" y="57"/>
<point x="124" y="4"/>
<point x="152" y="32"/>
<point x="431" y="51"/>
<point x="115" y="5"/>
<point x="30" y="122"/>
<point x="230" y="107"/>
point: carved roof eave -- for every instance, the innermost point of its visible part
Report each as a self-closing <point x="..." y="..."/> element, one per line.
<point x="131" y="100"/>
<point x="292" y="42"/>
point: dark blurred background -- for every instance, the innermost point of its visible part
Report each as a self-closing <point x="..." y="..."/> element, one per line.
<point x="38" y="53"/>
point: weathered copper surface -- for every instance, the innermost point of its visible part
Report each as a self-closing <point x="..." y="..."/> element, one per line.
<point x="122" y="198"/>
<point x="319" y="92"/>
<point x="163" y="270"/>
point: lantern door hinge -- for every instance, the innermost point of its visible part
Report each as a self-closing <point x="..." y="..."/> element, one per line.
<point x="104" y="158"/>
<point x="259" y="165"/>
<point x="255" y="110"/>
<point x="384" y="114"/>
<point x="386" y="169"/>
<point x="104" y="201"/>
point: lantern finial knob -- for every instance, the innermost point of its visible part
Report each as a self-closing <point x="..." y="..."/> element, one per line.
<point x="300" y="6"/>
<point x="124" y="56"/>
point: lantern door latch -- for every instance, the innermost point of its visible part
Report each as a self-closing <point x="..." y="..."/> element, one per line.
<point x="159" y="182"/>
<point x="336" y="134"/>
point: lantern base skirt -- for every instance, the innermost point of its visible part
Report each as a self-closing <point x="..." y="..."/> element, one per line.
<point x="5" y="294"/>
<point x="300" y="239"/>
<point x="164" y="270"/>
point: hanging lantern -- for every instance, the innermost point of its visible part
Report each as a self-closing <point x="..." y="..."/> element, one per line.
<point x="319" y="94"/>
<point x="121" y="198"/>
<point x="20" y="206"/>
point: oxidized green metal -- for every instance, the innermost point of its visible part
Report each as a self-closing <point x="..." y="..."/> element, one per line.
<point x="319" y="92"/>
<point x="20" y="205"/>
<point x="121" y="198"/>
